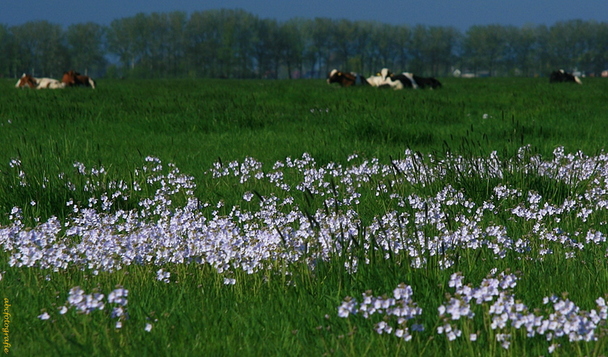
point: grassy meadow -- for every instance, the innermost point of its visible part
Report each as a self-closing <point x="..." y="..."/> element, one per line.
<point x="295" y="218"/>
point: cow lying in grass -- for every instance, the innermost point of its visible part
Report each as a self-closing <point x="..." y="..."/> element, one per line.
<point x="562" y="76"/>
<point x="346" y="79"/>
<point x="75" y="79"/>
<point x="28" y="81"/>
<point x="379" y="80"/>
<point x="408" y="80"/>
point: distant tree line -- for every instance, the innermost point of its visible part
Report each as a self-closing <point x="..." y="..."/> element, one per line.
<point x="238" y="44"/>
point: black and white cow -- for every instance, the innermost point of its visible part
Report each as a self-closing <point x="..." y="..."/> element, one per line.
<point x="563" y="76"/>
<point x="427" y="82"/>
<point x="409" y="80"/>
<point x="346" y="79"/>
<point x="379" y="80"/>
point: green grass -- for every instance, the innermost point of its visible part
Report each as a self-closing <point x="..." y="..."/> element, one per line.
<point x="200" y="121"/>
<point x="291" y="309"/>
<point x="195" y="123"/>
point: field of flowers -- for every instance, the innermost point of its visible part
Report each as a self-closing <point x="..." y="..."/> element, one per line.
<point x="477" y="234"/>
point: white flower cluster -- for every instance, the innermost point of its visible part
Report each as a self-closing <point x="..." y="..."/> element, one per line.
<point x="88" y="303"/>
<point x="163" y="276"/>
<point x="85" y="303"/>
<point x="565" y="319"/>
<point x="16" y="164"/>
<point x="397" y="311"/>
<point x="170" y="225"/>
<point x="494" y="297"/>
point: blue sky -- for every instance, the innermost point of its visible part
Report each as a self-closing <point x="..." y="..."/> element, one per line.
<point x="461" y="14"/>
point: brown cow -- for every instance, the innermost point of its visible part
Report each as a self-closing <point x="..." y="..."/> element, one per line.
<point x="346" y="79"/>
<point x="73" y="79"/>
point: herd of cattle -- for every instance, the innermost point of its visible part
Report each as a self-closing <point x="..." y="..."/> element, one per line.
<point x="69" y="79"/>
<point x="386" y="79"/>
<point x="383" y="79"/>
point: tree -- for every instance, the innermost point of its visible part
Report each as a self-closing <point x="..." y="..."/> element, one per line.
<point x="203" y="41"/>
<point x="176" y="47"/>
<point x="86" y="47"/>
<point x="384" y="46"/>
<point x="164" y="37"/>
<point x="590" y="45"/>
<point x="157" y="33"/>
<point x="437" y="49"/>
<point x="220" y="43"/>
<point x="567" y="44"/>
<point x="235" y="43"/>
<point x="596" y="57"/>
<point x="342" y="36"/>
<point x="41" y="48"/>
<point x="403" y="42"/>
<point x="293" y="46"/>
<point x="362" y="46"/>
<point x="264" y="47"/>
<point x="484" y="47"/>
<point x="522" y="50"/>
<point x="127" y="39"/>
<point x="8" y="53"/>
<point x="242" y="22"/>
<point x="320" y="44"/>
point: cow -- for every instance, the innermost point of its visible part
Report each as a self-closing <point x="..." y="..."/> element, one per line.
<point x="403" y="80"/>
<point x="376" y="81"/>
<point x="409" y="80"/>
<point x="427" y="82"/>
<point x="379" y="80"/>
<point x="562" y="76"/>
<point x="346" y="79"/>
<point x="73" y="78"/>
<point x="28" y="81"/>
